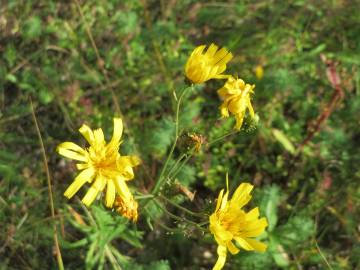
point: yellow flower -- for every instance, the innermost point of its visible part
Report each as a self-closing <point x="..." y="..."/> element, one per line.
<point x="259" y="72"/>
<point x="201" y="67"/>
<point x="236" y="96"/>
<point x="101" y="164"/>
<point x="229" y="222"/>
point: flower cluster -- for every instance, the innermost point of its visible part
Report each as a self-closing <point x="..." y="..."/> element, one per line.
<point x="102" y="166"/>
<point x="235" y="93"/>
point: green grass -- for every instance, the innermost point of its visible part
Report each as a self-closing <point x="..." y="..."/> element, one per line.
<point x="308" y="191"/>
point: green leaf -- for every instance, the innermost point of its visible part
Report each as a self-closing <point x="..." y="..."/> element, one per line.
<point x="45" y="96"/>
<point x="270" y="198"/>
<point x="296" y="231"/>
<point x="32" y="28"/>
<point x="159" y="265"/>
<point x="283" y="140"/>
<point x="160" y="137"/>
<point x="253" y="260"/>
<point x="11" y="78"/>
<point x="278" y="252"/>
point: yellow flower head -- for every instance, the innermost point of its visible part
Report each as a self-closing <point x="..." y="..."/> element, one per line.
<point x="229" y="222"/>
<point x="201" y="67"/>
<point x="236" y="99"/>
<point x="259" y="72"/>
<point x="101" y="164"/>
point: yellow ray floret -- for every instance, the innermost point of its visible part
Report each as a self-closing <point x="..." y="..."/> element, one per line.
<point x="100" y="164"/>
<point x="230" y="223"/>
<point x="201" y="67"/>
<point x="236" y="100"/>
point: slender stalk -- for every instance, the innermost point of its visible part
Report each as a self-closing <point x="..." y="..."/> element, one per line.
<point x="180" y="207"/>
<point x="143" y="197"/>
<point x="161" y="179"/>
<point x="223" y="137"/>
<point x="51" y="200"/>
<point x="322" y="255"/>
<point x="181" y="219"/>
<point x="166" y="228"/>
<point x="181" y="165"/>
<point x="175" y="165"/>
<point x="112" y="258"/>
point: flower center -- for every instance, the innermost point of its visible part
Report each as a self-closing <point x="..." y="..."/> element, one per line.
<point x="103" y="160"/>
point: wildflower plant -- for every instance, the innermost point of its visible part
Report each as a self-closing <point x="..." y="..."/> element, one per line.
<point x="180" y="75"/>
<point x="101" y="165"/>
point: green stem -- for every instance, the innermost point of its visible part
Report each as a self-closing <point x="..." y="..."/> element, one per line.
<point x="144" y="196"/>
<point x="175" y="165"/>
<point x="181" y="165"/>
<point x="181" y="219"/>
<point x="162" y="179"/>
<point x="222" y="137"/>
<point x="204" y="223"/>
<point x="180" y="207"/>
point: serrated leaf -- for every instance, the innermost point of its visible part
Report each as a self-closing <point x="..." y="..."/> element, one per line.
<point x="160" y="137"/>
<point x="159" y="265"/>
<point x="269" y="200"/>
<point x="296" y="231"/>
<point x="278" y="253"/>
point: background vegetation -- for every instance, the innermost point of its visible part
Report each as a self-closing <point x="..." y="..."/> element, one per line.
<point x="303" y="155"/>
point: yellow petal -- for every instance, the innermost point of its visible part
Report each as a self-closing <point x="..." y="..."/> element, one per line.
<point x="117" y="133"/>
<point x="125" y="164"/>
<point x="225" y="59"/>
<point x="232" y="248"/>
<point x="221" y="235"/>
<point x="219" y="200"/>
<point x="84" y="176"/>
<point x="211" y="50"/>
<point x="241" y="195"/>
<point x="121" y="188"/>
<point x="199" y="49"/>
<point x="221" y="251"/>
<point x="82" y="166"/>
<point x="253" y="214"/>
<point x="224" y="200"/>
<point x="224" y="110"/>
<point x="251" y="109"/>
<point x="239" y="120"/>
<point x="243" y="243"/>
<point x="219" y="56"/>
<point x="87" y="133"/>
<point x="257" y="245"/>
<point x="90" y="196"/>
<point x="222" y="76"/>
<point x="110" y="194"/>
<point x="72" y="146"/>
<point x="250" y="244"/>
<point x="237" y="105"/>
<point x="66" y="149"/>
<point x="93" y="191"/>
<point x="222" y="92"/>
<point x="255" y="228"/>
<point x="99" y="137"/>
